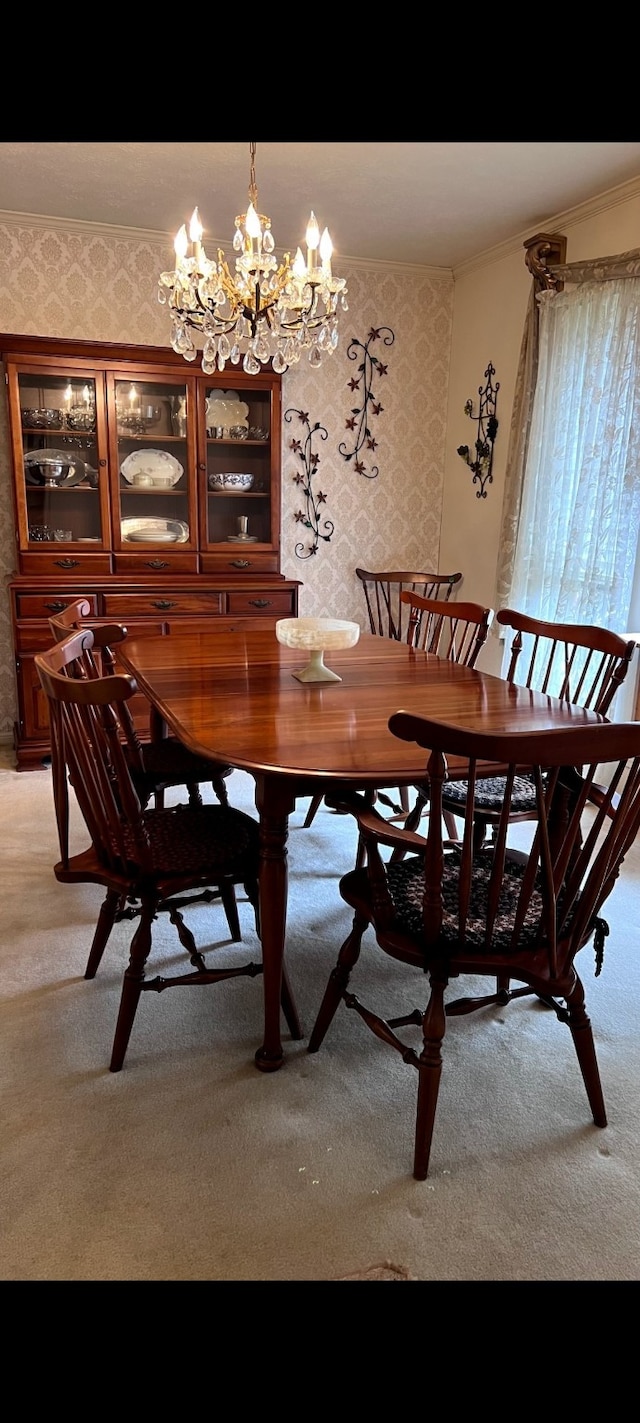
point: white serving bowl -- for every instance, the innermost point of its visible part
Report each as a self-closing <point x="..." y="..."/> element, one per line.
<point x="230" y="481"/>
<point x="317" y="636"/>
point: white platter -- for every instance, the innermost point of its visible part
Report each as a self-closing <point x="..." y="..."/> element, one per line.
<point x="152" y="462"/>
<point x="155" y="531"/>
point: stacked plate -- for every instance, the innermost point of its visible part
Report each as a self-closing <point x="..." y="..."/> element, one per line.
<point x="152" y="531"/>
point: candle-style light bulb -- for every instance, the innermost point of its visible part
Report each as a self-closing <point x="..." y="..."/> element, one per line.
<point x="195" y="226"/>
<point x="195" y="233"/>
<point x="180" y="245"/>
<point x="313" y="232"/>
<point x="133" y="396"/>
<point x="299" y="267"/>
<point x="67" y="397"/>
<point x="326" y="250"/>
<point x="252" y="223"/>
<point x="313" y="238"/>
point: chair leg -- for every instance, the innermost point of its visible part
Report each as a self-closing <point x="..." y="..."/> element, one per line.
<point x="451" y="825"/>
<point x="228" y="897"/>
<point x="582" y="1034"/>
<point x="195" y="797"/>
<point x="106" y="921"/>
<point x="312" y="811"/>
<point x="338" y="981"/>
<point x="220" y="789"/>
<point x="429" y="1073"/>
<point x="133" y="981"/>
<point x="289" y="1009"/>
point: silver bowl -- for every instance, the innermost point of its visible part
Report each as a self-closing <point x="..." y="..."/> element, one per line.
<point x="53" y="471"/>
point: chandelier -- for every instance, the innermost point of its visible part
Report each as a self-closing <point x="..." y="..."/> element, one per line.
<point x="265" y="312"/>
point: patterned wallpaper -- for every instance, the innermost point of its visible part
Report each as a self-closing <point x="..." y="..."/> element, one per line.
<point x="101" y="286"/>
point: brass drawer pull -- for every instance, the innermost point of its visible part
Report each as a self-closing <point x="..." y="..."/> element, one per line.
<point x="163" y="604"/>
<point x="240" y="563"/>
<point x="260" y="602"/>
<point x="67" y="562"/>
<point x="55" y="607"/>
<point x="156" y="563"/>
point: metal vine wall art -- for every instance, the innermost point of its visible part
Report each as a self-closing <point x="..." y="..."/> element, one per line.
<point x="309" y="459"/>
<point x="482" y="464"/>
<point x="358" y="420"/>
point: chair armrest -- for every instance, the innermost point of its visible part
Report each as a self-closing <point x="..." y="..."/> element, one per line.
<point x="374" y="826"/>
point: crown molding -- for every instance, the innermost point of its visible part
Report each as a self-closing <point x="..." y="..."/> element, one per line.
<point x="611" y="198"/>
<point x="164" y="240"/>
<point x="570" y="218"/>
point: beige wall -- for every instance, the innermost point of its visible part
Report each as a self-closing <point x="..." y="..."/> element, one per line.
<point x="76" y="282"/>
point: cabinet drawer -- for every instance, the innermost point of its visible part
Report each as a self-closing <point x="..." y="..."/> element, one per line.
<point x="130" y="605"/>
<point x="239" y="561"/>
<point x="263" y="600"/>
<point x="155" y="563"/>
<point x="54" y="565"/>
<point x="46" y="605"/>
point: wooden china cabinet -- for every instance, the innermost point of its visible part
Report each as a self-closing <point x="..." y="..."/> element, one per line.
<point x="123" y="461"/>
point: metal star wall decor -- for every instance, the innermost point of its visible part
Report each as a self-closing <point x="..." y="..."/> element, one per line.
<point x="309" y="459"/>
<point x="360" y="415"/>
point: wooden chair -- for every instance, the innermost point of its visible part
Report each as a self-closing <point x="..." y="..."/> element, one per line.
<point x="388" y="613"/>
<point x="456" y="631"/>
<point x="389" y="617"/>
<point x="582" y="665"/>
<point x="161" y="762"/>
<point x="152" y="860"/>
<point x="512" y="915"/>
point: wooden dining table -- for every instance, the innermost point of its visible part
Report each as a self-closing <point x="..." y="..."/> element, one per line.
<point x="231" y="694"/>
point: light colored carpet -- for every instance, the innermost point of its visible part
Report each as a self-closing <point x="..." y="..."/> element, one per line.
<point x="191" y="1165"/>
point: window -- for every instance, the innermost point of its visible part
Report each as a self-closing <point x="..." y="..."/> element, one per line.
<point x="579" y="521"/>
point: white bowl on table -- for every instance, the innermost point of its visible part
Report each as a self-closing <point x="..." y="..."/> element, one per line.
<point x="317" y="636"/>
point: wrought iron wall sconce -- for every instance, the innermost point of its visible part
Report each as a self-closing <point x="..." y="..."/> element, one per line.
<point x="358" y="420"/>
<point x="482" y="463"/>
<point x="309" y="459"/>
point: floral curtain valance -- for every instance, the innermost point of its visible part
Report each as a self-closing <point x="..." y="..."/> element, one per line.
<point x="599" y="269"/>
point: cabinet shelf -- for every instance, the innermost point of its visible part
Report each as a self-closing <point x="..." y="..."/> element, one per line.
<point x="235" y="443"/>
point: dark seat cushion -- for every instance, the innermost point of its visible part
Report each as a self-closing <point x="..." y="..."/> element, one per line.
<point x="406" y="884"/>
<point x="489" y="794"/>
<point x="214" y="840"/>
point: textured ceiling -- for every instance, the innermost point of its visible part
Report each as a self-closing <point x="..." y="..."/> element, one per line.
<point x="436" y="204"/>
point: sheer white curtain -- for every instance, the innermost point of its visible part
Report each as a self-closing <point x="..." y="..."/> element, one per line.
<point x="577" y="540"/>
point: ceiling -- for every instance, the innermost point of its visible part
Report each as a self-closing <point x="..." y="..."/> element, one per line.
<point x="434" y="204"/>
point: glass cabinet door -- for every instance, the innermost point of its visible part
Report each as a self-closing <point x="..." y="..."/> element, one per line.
<point x="153" y="462"/>
<point x="63" y="432"/>
<point x="238" y="495"/>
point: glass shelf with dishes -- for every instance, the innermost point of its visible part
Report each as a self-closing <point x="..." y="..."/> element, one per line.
<point x="154" y="503"/>
<point x="60" y="458"/>
<point x="238" y="426"/>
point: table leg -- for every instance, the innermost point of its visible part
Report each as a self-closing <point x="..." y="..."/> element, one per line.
<point x="274" y="802"/>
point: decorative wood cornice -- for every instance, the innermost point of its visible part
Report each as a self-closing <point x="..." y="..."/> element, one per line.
<point x="543" y="245"/>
